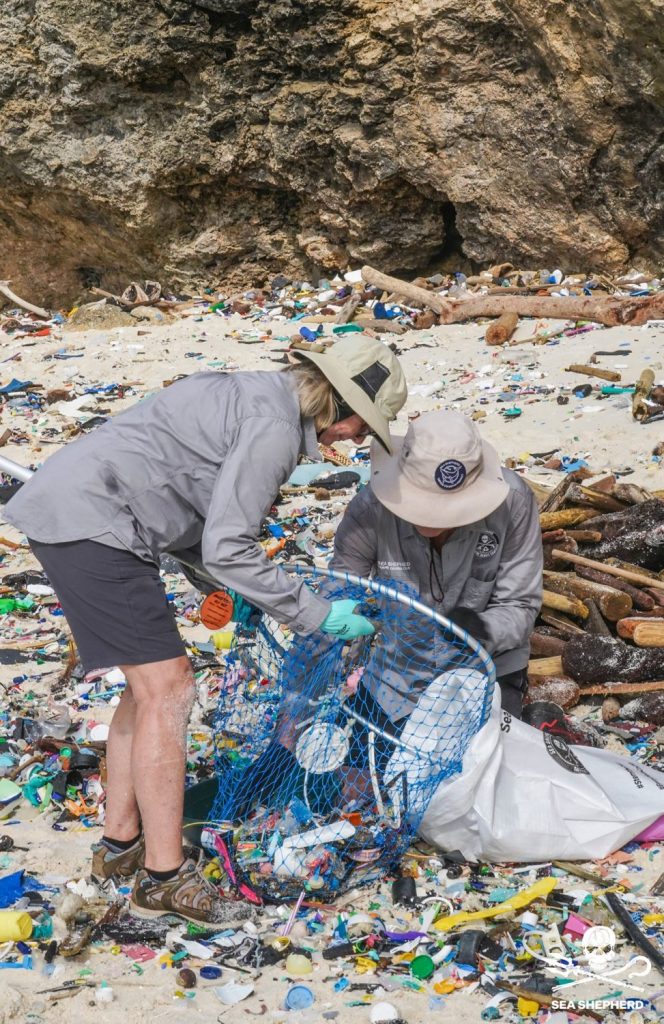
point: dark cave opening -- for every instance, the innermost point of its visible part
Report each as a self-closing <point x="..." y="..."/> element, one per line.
<point x="453" y="239"/>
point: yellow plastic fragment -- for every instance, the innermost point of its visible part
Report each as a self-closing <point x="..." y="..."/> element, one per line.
<point x="527" y="1007"/>
<point x="365" y="965"/>
<point x="540" y="890"/>
<point x="653" y="918"/>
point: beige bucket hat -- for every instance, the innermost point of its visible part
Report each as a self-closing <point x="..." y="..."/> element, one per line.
<point x="441" y="474"/>
<point x="367" y="375"/>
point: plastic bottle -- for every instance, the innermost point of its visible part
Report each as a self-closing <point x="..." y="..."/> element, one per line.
<point x="15" y="926"/>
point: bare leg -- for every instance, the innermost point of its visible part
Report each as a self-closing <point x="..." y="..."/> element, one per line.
<point x="122" y="817"/>
<point x="163" y="692"/>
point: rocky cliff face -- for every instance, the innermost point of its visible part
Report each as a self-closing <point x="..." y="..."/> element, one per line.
<point x="191" y="140"/>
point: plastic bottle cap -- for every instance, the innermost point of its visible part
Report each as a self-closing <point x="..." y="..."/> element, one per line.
<point x="280" y="943"/>
<point x="210" y="973"/>
<point x="299" y="997"/>
<point x="529" y="919"/>
<point x="99" y="732"/>
<point x="381" y="1012"/>
<point x="422" y="967"/>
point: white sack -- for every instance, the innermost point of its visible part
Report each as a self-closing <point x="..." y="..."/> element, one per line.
<point x="522" y="795"/>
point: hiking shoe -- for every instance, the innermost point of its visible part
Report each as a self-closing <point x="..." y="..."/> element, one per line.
<point x="188" y="895"/>
<point x="107" y="863"/>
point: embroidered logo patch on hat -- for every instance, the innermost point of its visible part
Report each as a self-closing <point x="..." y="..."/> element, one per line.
<point x="450" y="474"/>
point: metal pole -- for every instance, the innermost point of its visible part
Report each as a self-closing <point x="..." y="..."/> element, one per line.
<point x="14" y="469"/>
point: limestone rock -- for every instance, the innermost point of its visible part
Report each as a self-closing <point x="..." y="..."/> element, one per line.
<point x="98" y="316"/>
<point x="190" y="141"/>
<point x="149" y="313"/>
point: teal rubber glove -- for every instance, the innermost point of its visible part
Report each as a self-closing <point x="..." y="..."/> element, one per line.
<point x="342" y="621"/>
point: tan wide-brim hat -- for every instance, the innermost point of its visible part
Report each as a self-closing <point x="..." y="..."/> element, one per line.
<point x="441" y="474"/>
<point x="367" y="375"/>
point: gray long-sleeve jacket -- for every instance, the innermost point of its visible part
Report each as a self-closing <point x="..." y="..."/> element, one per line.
<point x="493" y="566"/>
<point x="200" y="463"/>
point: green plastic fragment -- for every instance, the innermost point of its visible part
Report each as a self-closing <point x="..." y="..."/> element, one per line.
<point x="348" y="329"/>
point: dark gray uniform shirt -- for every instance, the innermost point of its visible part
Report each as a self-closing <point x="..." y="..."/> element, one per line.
<point x="196" y="465"/>
<point x="493" y="566"/>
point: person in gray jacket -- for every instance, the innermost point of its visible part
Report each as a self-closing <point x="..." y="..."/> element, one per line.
<point x="441" y="515"/>
<point x="196" y="466"/>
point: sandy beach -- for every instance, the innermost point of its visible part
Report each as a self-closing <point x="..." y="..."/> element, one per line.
<point x="446" y="367"/>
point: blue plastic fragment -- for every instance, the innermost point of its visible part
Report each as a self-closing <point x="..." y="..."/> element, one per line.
<point x="381" y="312"/>
<point x="309" y="335"/>
<point x="15" y="385"/>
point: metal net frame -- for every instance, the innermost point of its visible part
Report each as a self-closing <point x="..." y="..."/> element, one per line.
<point x="327" y="752"/>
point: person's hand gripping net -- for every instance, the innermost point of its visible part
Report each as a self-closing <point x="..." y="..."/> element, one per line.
<point x="343" y="622"/>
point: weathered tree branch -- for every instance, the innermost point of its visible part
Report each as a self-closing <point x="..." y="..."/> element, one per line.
<point x="13" y="297"/>
<point x="608" y="310"/>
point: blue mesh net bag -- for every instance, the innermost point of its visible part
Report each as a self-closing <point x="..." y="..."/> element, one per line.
<point x="328" y="752"/>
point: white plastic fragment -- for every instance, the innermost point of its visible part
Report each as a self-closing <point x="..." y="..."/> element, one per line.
<point x="382" y="1012"/>
<point x="233" y="992"/>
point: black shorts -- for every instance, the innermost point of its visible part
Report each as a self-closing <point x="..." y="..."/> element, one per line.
<point x="114" y="602"/>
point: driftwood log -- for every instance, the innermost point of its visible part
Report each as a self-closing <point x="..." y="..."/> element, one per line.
<point x="593" y="371"/>
<point x="564" y="517"/>
<point x="584" y="536"/>
<point x="564" y="603"/>
<point x="635" y="535"/>
<point x="347" y="311"/>
<point x="632" y="494"/>
<point x="657" y="596"/>
<point x="612" y="603"/>
<point x="594" y="499"/>
<point x="644" y="385"/>
<point x="644" y="515"/>
<point x="647" y="632"/>
<point x="415" y="295"/>
<point x="542" y="646"/>
<point x="564" y="692"/>
<point x="645" y="546"/>
<point x="561" y="543"/>
<point x="610" y="311"/>
<point x="541" y="667"/>
<point x="647" y="708"/>
<point x="381" y="326"/>
<point x="561" y="623"/>
<point x="502" y="329"/>
<point x="647" y="582"/>
<point x="594" y="659"/>
<point x="556" y="498"/>
<point x="639" y="599"/>
<point x="606" y="689"/>
<point x="595" y="624"/>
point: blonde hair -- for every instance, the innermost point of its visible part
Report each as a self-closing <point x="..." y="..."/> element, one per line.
<point x="316" y="394"/>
